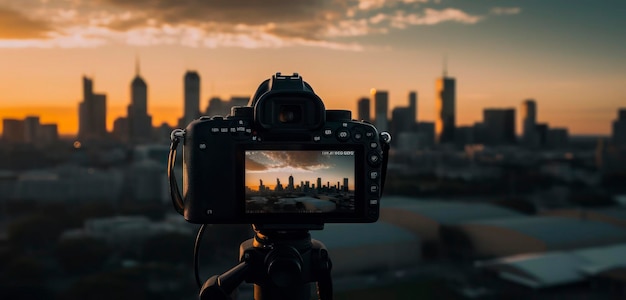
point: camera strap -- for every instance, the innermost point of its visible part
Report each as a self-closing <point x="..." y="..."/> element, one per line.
<point x="177" y="200"/>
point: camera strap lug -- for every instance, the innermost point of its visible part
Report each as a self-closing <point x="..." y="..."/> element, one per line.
<point x="177" y="200"/>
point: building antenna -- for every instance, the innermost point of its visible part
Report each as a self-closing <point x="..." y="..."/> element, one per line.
<point x="137" y="64"/>
<point x="445" y="65"/>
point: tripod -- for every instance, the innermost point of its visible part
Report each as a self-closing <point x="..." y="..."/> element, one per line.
<point x="282" y="264"/>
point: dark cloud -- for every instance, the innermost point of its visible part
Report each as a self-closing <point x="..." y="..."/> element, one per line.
<point x="251" y="12"/>
<point x="253" y="165"/>
<point x="123" y="25"/>
<point x="296" y="159"/>
<point x="15" y="25"/>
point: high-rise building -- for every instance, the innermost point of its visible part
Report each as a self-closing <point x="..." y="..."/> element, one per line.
<point x="557" y="138"/>
<point x="403" y="118"/>
<point x="381" y="107"/>
<point x="12" y="131"/>
<point x="530" y="136"/>
<point x="426" y="134"/>
<point x="31" y="129"/>
<point x="445" y="109"/>
<point x="91" y="113"/>
<point x="364" y="109"/>
<point x="499" y="126"/>
<point x="619" y="129"/>
<point x="192" y="98"/>
<point x="48" y="133"/>
<point x="139" y="122"/>
<point x="413" y="106"/>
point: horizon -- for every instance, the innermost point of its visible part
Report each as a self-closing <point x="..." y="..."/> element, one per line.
<point x="571" y="63"/>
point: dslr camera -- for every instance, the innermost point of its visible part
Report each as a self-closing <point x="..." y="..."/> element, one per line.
<point x="283" y="159"/>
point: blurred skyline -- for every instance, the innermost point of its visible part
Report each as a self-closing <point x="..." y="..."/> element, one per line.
<point x="567" y="55"/>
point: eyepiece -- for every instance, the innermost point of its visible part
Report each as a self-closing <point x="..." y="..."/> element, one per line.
<point x="290" y="114"/>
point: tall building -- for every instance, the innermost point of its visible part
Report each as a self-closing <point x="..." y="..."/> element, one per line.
<point x="499" y="126"/>
<point x="619" y="129"/>
<point x="12" y="131"/>
<point x="557" y="138"/>
<point x="413" y="106"/>
<point x="381" y="107"/>
<point x="31" y="129"/>
<point x="364" y="109"/>
<point x="192" y="98"/>
<point x="403" y="118"/>
<point x="48" y="133"/>
<point x="530" y="136"/>
<point x="426" y="134"/>
<point x="139" y="122"/>
<point x="91" y="113"/>
<point x="445" y="109"/>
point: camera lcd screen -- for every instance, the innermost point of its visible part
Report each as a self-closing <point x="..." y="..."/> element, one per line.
<point x="299" y="181"/>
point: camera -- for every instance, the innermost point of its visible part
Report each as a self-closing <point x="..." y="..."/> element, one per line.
<point x="283" y="159"/>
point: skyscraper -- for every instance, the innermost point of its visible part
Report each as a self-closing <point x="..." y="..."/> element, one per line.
<point x="13" y="131"/>
<point x="364" y="109"/>
<point x="381" y="106"/>
<point x="499" y="126"/>
<point x="445" y="109"/>
<point x="192" y="98"/>
<point x="91" y="113"/>
<point x="413" y="106"/>
<point x="403" y="118"/>
<point x="530" y="136"/>
<point x="139" y="122"/>
<point x="619" y="128"/>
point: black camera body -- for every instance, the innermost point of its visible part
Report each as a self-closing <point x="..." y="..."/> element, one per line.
<point x="283" y="159"/>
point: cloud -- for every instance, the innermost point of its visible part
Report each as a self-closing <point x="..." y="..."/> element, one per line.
<point x="15" y="25"/>
<point x="505" y="10"/>
<point x="332" y="24"/>
<point x="302" y="160"/>
<point x="433" y="17"/>
<point x="253" y="165"/>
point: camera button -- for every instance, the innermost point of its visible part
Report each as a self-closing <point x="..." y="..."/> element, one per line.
<point x="373" y="145"/>
<point x="343" y="135"/>
<point x="374" y="159"/>
<point x="215" y="130"/>
<point x="369" y="134"/>
<point x="374" y="175"/>
<point x="328" y="132"/>
<point x="357" y="136"/>
<point x="374" y="189"/>
<point x="317" y="138"/>
<point x="373" y="201"/>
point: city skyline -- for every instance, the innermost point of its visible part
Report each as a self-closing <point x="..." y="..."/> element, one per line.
<point x="302" y="166"/>
<point x="571" y="63"/>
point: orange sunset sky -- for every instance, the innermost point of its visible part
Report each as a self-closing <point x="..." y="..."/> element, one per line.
<point x="567" y="55"/>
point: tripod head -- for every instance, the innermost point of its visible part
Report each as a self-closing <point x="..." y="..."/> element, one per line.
<point x="282" y="262"/>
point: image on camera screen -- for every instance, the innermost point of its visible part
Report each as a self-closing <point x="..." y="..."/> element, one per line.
<point x="299" y="181"/>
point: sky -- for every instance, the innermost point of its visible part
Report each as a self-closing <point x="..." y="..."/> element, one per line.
<point x="568" y="55"/>
<point x="302" y="165"/>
